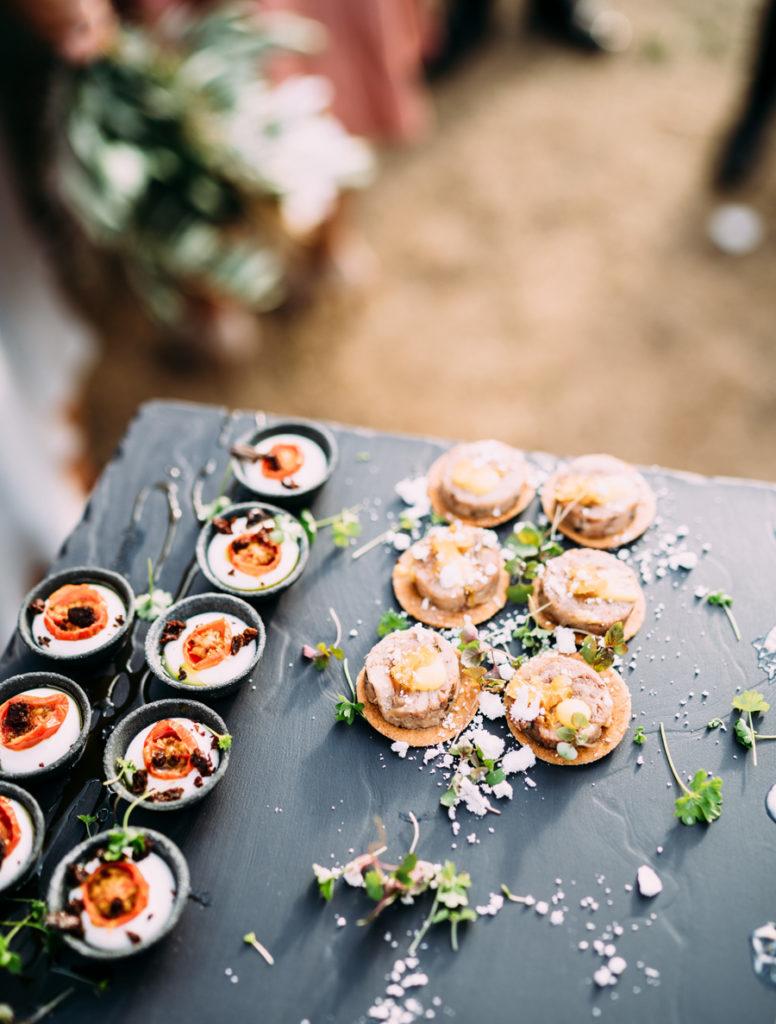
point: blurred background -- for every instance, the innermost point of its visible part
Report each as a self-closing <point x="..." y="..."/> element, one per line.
<point x="547" y="221"/>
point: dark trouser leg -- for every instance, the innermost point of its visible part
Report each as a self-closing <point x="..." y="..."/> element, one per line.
<point x="585" y="24"/>
<point x="742" y="147"/>
<point x="466" y="23"/>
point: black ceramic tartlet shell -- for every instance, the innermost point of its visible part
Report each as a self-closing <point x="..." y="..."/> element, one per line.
<point x="322" y="436"/>
<point x="242" y="509"/>
<point x="129" y="727"/>
<point x="30" y="804"/>
<point x="198" y="604"/>
<point x="78" y="574"/>
<point x="30" y="681"/>
<point x="60" y="886"/>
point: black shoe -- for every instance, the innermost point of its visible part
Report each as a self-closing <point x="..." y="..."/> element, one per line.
<point x="467" y="24"/>
<point x="588" y="25"/>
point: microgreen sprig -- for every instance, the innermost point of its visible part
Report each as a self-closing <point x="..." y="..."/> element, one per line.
<point x="223" y="739"/>
<point x="345" y="525"/>
<point x="533" y="546"/>
<point x="10" y="960"/>
<point x="125" y="770"/>
<point x="149" y="606"/>
<point x="701" y="801"/>
<point x="321" y="653"/>
<point x="88" y="820"/>
<point x="346" y="709"/>
<point x="719" y="599"/>
<point x="391" y="621"/>
<point x="251" y="940"/>
<point x="599" y="652"/>
<point x="750" y="702"/>
<point x="474" y="765"/>
<point x="639" y="736"/>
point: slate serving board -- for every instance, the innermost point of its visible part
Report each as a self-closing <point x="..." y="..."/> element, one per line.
<point x="301" y="788"/>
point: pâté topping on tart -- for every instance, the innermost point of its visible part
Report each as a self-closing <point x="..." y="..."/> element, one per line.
<point x="453" y="572"/>
<point x="17" y="838"/>
<point x="413" y="689"/>
<point x="121" y="898"/>
<point x="171" y="759"/>
<point x="207" y="649"/>
<point x="77" y="618"/>
<point x="37" y="727"/>
<point x="588" y="591"/>
<point x="282" y="463"/>
<point x="482" y="483"/>
<point x="254" y="552"/>
<point x="567" y="712"/>
<point x="599" y="501"/>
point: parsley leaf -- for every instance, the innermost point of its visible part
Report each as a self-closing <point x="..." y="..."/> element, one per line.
<point x="701" y="801"/>
<point x="347" y="711"/>
<point x="391" y="621"/>
<point x="744" y="734"/>
<point x="751" y="702"/>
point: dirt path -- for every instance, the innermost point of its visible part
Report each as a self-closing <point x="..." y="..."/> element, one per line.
<point x="545" y="276"/>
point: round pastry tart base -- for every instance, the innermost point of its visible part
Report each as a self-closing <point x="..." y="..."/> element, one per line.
<point x="631" y="625"/>
<point x="524" y="499"/>
<point x="410" y="600"/>
<point x="644" y="517"/>
<point x="621" y="712"/>
<point x="463" y="710"/>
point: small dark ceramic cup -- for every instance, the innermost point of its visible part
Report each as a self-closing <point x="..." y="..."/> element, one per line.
<point x="78" y="574"/>
<point x="218" y="604"/>
<point x="315" y="432"/>
<point x="129" y="727"/>
<point x="242" y="509"/>
<point x="60" y="886"/>
<point x="38" y="829"/>
<point x="31" y="681"/>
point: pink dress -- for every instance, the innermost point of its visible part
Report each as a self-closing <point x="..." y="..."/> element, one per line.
<point x="374" y="61"/>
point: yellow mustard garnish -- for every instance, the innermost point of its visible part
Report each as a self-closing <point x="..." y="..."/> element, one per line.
<point x="589" y="491"/>
<point x="420" y="671"/>
<point x="476" y="478"/>
<point x="587" y="583"/>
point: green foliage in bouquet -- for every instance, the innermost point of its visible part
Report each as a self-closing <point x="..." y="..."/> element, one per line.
<point x="179" y="154"/>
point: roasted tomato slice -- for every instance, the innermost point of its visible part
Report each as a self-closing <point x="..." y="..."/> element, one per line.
<point x="208" y="645"/>
<point x="255" y="554"/>
<point x="26" y="720"/>
<point x="282" y="460"/>
<point x="75" y="612"/>
<point x="167" y="750"/>
<point x="114" y="893"/>
<point x="10" y="832"/>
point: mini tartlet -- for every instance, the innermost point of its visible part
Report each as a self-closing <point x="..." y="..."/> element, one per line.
<point x="208" y="643"/>
<point x="253" y="550"/>
<point x="286" y="461"/>
<point x="44" y="723"/>
<point x="414" y="690"/>
<point x="108" y="905"/>
<point x="599" y="501"/>
<point x="453" y="573"/>
<point x="77" y="615"/>
<point x="482" y="483"/>
<point x="21" y="835"/>
<point x="557" y="701"/>
<point x="173" y="745"/>
<point x="588" y="591"/>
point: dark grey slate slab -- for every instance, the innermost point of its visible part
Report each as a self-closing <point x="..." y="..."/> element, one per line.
<point x="301" y="789"/>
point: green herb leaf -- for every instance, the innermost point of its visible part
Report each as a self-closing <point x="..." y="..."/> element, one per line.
<point x="391" y="621"/>
<point x="715" y="723"/>
<point x="567" y="752"/>
<point x="744" y="734"/>
<point x="703" y="801"/>
<point x="374" y="886"/>
<point x="751" y="701"/>
<point x="448" y="798"/>
<point x="518" y="593"/>
<point x="639" y="736"/>
<point x="347" y="711"/>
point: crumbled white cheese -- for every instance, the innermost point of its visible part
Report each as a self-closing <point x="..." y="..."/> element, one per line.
<point x="617" y="965"/>
<point x="491" y="705"/>
<point x="503" y="791"/>
<point x="603" y="977"/>
<point x="492" y="907"/>
<point x="526" y="705"/>
<point x="400" y="747"/>
<point x="476" y="802"/>
<point x="648" y="881"/>
<point x="491" y="746"/>
<point x="565" y="640"/>
<point x="519" y="760"/>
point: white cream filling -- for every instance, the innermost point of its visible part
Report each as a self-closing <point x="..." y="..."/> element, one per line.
<point x="224" y="571"/>
<point x="14" y="762"/>
<point x="11" y="866"/>
<point x="149" y="922"/>
<point x="232" y="666"/>
<point x="187" y="783"/>
<point x="115" y="608"/>
<point x="310" y="473"/>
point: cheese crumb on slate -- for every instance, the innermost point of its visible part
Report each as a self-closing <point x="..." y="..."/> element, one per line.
<point x="648" y="881"/>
